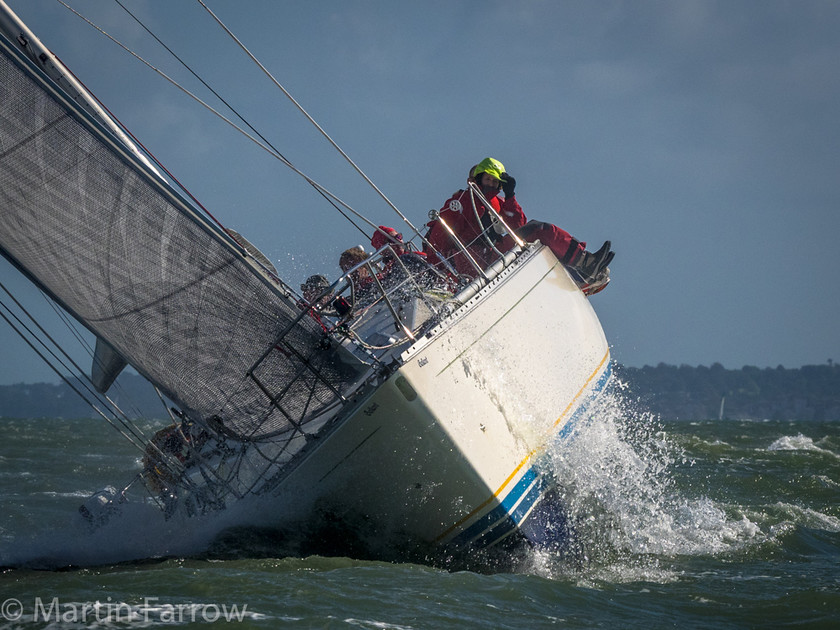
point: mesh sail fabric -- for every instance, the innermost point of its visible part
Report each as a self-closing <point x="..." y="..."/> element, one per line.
<point x="122" y="253"/>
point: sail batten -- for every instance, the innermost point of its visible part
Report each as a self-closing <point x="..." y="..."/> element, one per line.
<point x="125" y="254"/>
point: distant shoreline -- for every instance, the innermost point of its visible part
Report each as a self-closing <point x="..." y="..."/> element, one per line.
<point x="811" y="392"/>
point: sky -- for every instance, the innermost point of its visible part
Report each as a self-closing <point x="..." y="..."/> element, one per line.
<point x="702" y="138"/>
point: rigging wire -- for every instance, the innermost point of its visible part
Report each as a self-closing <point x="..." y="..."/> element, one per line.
<point x="317" y="126"/>
<point x="228" y="105"/>
<point x="266" y="147"/>
<point x="131" y="433"/>
<point x="321" y="189"/>
<point x="74" y="330"/>
<point x="118" y="413"/>
<point x="306" y="114"/>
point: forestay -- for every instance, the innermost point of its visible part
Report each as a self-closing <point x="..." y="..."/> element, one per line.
<point x="128" y="257"/>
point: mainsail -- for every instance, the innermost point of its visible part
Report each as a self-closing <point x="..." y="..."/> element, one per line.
<point x="167" y="290"/>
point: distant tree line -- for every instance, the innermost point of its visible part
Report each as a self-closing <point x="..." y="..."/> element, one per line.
<point x="811" y="392"/>
<point x="131" y="392"/>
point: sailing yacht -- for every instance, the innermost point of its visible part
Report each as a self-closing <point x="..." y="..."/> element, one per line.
<point x="425" y="409"/>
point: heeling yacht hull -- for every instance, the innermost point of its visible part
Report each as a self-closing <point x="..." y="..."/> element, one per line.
<point x="451" y="447"/>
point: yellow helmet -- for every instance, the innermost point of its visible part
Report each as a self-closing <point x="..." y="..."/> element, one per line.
<point x="491" y="167"/>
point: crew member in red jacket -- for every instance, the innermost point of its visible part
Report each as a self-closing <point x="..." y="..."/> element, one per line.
<point x="463" y="213"/>
<point x="467" y="217"/>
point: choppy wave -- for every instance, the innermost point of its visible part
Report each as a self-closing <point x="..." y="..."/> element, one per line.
<point x="640" y="493"/>
<point x="798" y="442"/>
<point x="807" y="517"/>
<point x="827" y="481"/>
<point x="725" y="524"/>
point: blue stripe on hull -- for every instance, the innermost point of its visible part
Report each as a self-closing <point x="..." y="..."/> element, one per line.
<point x="518" y="504"/>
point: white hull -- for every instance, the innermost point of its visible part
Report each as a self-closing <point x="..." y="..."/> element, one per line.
<point x="449" y="447"/>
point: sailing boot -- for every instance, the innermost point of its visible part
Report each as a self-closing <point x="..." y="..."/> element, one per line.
<point x="590" y="266"/>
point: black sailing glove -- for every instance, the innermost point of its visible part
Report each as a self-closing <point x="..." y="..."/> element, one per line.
<point x="508" y="185"/>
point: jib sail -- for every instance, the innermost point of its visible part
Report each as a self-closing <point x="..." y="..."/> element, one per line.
<point x="123" y="252"/>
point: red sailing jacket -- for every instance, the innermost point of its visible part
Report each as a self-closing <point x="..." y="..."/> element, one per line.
<point x="458" y="213"/>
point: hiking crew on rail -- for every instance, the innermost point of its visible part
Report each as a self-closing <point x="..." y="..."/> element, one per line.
<point x="467" y="217"/>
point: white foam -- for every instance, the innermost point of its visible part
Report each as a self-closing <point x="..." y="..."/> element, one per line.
<point x="798" y="442"/>
<point x="76" y="494"/>
<point x="810" y="518"/>
<point x="616" y="476"/>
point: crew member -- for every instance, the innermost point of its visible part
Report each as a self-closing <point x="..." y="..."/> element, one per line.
<point x="467" y="217"/>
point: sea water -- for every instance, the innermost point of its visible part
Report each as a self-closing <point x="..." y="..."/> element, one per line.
<point x="711" y="524"/>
